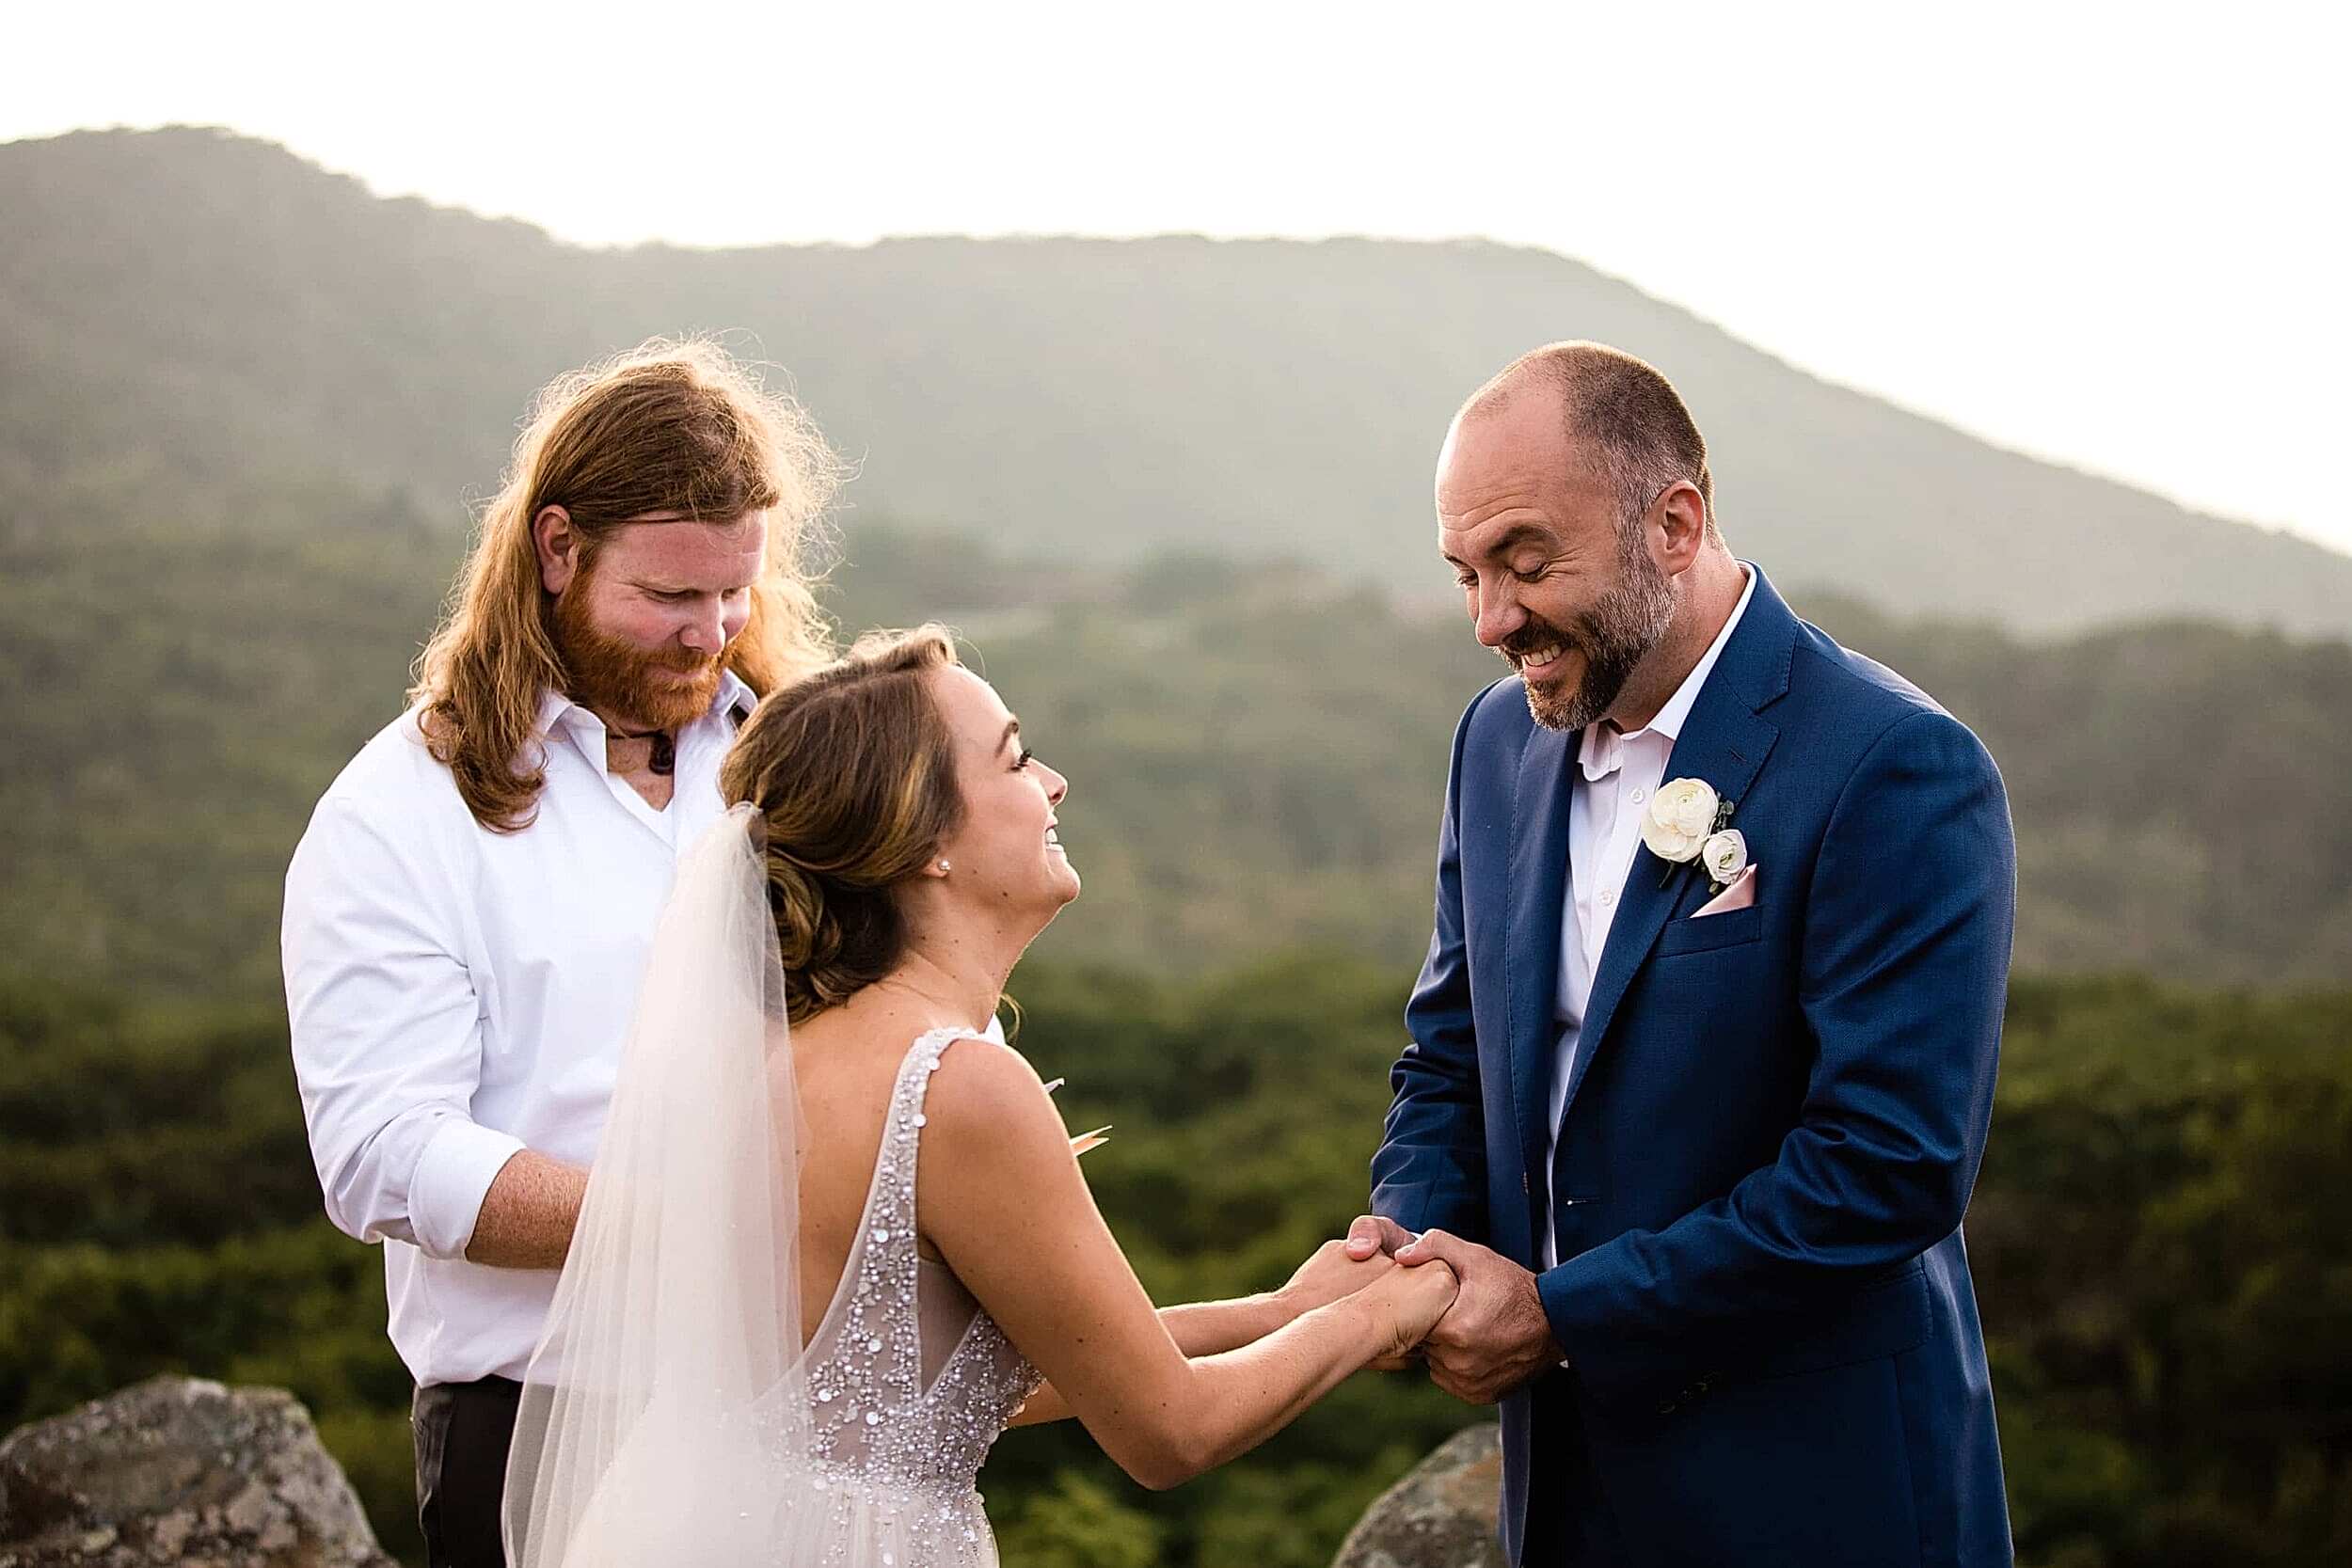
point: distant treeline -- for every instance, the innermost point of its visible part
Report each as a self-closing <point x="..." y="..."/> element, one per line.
<point x="1257" y="753"/>
<point x="2158" y="1241"/>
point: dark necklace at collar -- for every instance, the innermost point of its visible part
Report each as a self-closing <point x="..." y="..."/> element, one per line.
<point x="664" y="759"/>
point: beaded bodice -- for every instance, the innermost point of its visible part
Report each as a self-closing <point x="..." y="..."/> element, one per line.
<point x="911" y="1382"/>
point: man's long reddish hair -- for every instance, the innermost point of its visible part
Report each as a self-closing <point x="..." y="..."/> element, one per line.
<point x="673" y="426"/>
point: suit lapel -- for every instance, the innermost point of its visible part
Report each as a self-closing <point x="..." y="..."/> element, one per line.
<point x="1723" y="742"/>
<point x="1538" y="895"/>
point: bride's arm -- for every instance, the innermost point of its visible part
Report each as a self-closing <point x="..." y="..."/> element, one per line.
<point x="1198" y="1328"/>
<point x="1207" y="1327"/>
<point x="1002" y="1200"/>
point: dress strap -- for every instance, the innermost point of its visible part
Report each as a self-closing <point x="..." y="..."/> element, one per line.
<point x="892" y="1235"/>
<point x="904" y="1135"/>
<point x="878" y="1365"/>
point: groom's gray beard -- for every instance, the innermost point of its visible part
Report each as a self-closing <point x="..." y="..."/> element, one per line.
<point x="1615" y="635"/>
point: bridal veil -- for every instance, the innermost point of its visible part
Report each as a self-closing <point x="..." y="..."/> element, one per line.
<point x="677" y="1320"/>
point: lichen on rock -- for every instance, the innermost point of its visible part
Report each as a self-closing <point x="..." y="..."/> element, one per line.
<point x="1441" y="1515"/>
<point x="180" y="1471"/>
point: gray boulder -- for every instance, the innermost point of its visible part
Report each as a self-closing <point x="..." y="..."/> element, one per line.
<point x="177" y="1470"/>
<point x="1441" y="1515"/>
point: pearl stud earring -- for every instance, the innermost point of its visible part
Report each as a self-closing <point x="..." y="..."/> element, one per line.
<point x="944" y="867"/>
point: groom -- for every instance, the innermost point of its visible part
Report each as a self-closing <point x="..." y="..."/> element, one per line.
<point x="1697" y="1132"/>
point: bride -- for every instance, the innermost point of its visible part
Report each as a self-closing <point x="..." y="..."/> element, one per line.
<point x="809" y="1117"/>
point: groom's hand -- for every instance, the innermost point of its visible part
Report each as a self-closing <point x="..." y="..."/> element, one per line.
<point x="1372" y="1233"/>
<point x="1495" y="1336"/>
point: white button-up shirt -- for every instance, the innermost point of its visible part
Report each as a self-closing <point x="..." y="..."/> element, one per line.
<point x="457" y="995"/>
<point x="1617" y="775"/>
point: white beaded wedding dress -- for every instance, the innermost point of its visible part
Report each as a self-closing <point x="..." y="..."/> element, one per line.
<point x="911" y="1381"/>
<point x="668" y="1417"/>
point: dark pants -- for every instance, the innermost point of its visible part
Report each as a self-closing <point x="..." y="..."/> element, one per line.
<point x="462" y="1431"/>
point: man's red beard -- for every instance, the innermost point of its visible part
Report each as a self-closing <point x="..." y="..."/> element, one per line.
<point x="615" y="676"/>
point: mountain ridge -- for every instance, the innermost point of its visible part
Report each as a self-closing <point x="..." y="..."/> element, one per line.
<point x="206" y="310"/>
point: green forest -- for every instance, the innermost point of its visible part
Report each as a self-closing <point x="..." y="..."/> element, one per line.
<point x="1256" y="754"/>
<point x="2157" y="1236"/>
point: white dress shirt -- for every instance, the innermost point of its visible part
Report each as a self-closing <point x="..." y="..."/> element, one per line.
<point x="1617" y="775"/>
<point x="457" y="995"/>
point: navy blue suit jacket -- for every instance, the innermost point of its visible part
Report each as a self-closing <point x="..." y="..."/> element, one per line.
<point x="1772" y="1130"/>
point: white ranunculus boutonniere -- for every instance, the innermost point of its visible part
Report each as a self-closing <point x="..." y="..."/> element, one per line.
<point x="1687" y="821"/>
<point x="1725" y="855"/>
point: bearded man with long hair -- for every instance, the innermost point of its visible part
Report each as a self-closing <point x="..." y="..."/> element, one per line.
<point x="467" y="914"/>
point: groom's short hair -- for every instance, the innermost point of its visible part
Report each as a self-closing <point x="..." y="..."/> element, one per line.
<point x="1620" y="410"/>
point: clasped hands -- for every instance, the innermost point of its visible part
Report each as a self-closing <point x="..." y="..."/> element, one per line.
<point x="1493" y="1338"/>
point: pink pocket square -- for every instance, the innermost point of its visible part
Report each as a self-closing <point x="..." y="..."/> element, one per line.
<point x="1737" y="895"/>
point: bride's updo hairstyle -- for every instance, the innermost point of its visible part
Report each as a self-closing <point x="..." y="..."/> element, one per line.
<point x="853" y="771"/>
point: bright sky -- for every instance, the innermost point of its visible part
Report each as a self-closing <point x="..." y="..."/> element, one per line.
<point x="2113" y="235"/>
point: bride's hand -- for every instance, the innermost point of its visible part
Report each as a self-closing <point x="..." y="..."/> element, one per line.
<point x="1407" y="1304"/>
<point x="1327" y="1275"/>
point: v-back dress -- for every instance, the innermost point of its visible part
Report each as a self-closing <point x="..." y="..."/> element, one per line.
<point x="911" y="1383"/>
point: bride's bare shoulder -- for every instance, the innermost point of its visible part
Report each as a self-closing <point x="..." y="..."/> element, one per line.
<point x="986" y="1095"/>
<point x="974" y="1068"/>
<point x="998" y="1158"/>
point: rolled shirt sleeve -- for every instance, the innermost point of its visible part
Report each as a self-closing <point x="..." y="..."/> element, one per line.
<point x="454" y="1173"/>
<point x="386" y="1033"/>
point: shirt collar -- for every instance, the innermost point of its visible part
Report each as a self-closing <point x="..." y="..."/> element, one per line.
<point x="1602" y="751"/>
<point x="732" y="691"/>
<point x="554" y="706"/>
